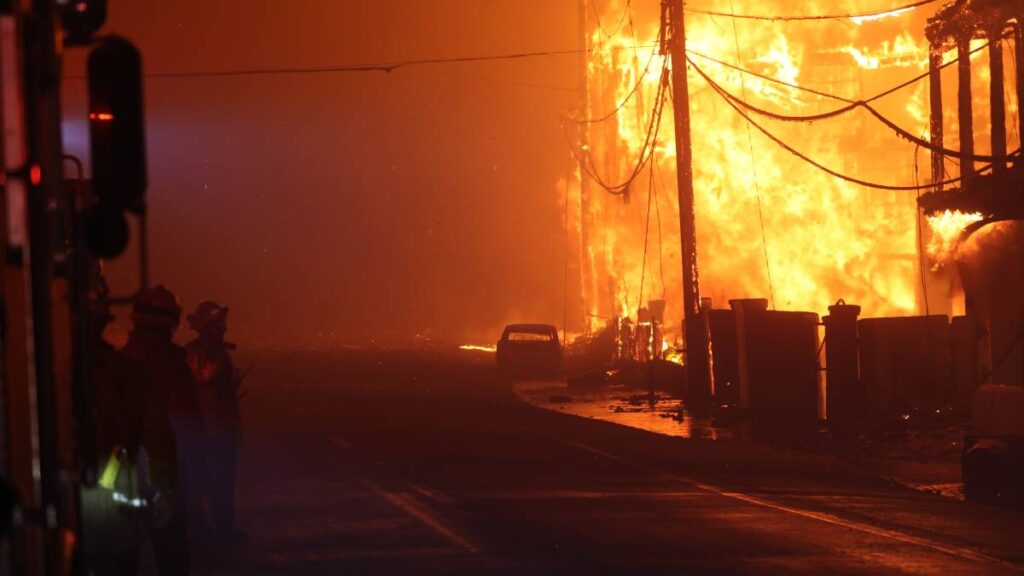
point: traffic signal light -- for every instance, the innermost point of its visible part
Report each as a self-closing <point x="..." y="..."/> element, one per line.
<point x="81" y="19"/>
<point x="117" y="137"/>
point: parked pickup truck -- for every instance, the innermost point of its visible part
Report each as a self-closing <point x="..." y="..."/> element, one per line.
<point x="530" y="351"/>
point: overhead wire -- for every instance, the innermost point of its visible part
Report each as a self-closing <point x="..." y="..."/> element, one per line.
<point x="852" y="105"/>
<point x="797" y="18"/>
<point x="641" y="113"/>
<point x="753" y="167"/>
<point x="600" y="25"/>
<point x="853" y="180"/>
<point x="636" y="60"/>
<point x="386" y="67"/>
<point x="877" y="96"/>
<point x="902" y="132"/>
<point x="585" y="158"/>
<point x="647" y="234"/>
<point x="653" y="186"/>
<point x="625" y="100"/>
<point x="392" y="66"/>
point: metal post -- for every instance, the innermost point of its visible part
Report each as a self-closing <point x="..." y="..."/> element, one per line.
<point x="698" y="355"/>
<point x="844" y="397"/>
<point x="965" y="111"/>
<point x="997" y="103"/>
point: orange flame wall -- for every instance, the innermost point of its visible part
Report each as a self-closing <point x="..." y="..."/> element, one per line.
<point x="825" y="239"/>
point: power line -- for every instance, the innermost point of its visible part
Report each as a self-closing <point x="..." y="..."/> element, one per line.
<point x="647" y="235"/>
<point x="902" y="132"/>
<point x="753" y="168"/>
<point x="386" y="68"/>
<point x="600" y="25"/>
<point x="646" y="151"/>
<point x="363" y="68"/>
<point x="636" y="56"/>
<point x="813" y="162"/>
<point x="878" y="96"/>
<point x="641" y="77"/>
<point x="633" y="91"/>
<point x="852" y="105"/>
<point x="851" y="16"/>
<point x="654" y="165"/>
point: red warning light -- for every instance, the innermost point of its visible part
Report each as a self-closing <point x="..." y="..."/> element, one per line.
<point x="101" y="116"/>
<point x="35" y="175"/>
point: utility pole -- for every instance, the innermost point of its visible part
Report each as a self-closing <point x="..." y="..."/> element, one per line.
<point x="698" y="354"/>
<point x="587" y="275"/>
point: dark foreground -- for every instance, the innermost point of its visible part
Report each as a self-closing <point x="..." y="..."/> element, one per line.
<point x="415" y="464"/>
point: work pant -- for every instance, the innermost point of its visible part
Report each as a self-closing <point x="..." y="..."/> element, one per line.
<point x="112" y="534"/>
<point x="170" y="545"/>
<point x="223" y="450"/>
<point x="194" y="479"/>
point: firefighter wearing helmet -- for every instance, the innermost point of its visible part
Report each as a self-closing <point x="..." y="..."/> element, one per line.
<point x="217" y="384"/>
<point x="136" y="459"/>
<point x="155" y="317"/>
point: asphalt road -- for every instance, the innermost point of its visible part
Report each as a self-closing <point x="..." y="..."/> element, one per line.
<point x="372" y="463"/>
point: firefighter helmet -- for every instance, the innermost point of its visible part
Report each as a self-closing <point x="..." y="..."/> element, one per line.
<point x="207" y="313"/>
<point x="156" y="307"/>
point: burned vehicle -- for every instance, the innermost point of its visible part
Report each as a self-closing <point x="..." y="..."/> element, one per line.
<point x="530" y="351"/>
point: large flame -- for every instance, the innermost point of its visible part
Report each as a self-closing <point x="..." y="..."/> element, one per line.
<point x="816" y="237"/>
<point x="947" y="227"/>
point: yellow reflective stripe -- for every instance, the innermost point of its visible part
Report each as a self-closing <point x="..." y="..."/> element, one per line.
<point x="110" y="472"/>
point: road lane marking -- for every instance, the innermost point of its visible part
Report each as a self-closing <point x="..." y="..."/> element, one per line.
<point x="428" y="493"/>
<point x="406" y="503"/>
<point x="957" y="551"/>
<point x="575" y="495"/>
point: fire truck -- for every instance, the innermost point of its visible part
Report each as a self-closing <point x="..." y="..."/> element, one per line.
<point x="54" y="223"/>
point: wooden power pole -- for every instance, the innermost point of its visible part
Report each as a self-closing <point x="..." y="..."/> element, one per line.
<point x="587" y="271"/>
<point x="698" y="353"/>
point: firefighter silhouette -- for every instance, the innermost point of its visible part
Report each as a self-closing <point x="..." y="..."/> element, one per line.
<point x="137" y="467"/>
<point x="155" y="317"/>
<point x="217" y="385"/>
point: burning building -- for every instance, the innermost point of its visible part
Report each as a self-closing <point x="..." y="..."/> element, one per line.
<point x="769" y="223"/>
<point x="983" y="207"/>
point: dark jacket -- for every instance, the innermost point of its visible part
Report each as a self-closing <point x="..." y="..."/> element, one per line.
<point x="166" y="360"/>
<point x="216" y="384"/>
<point x="129" y="414"/>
